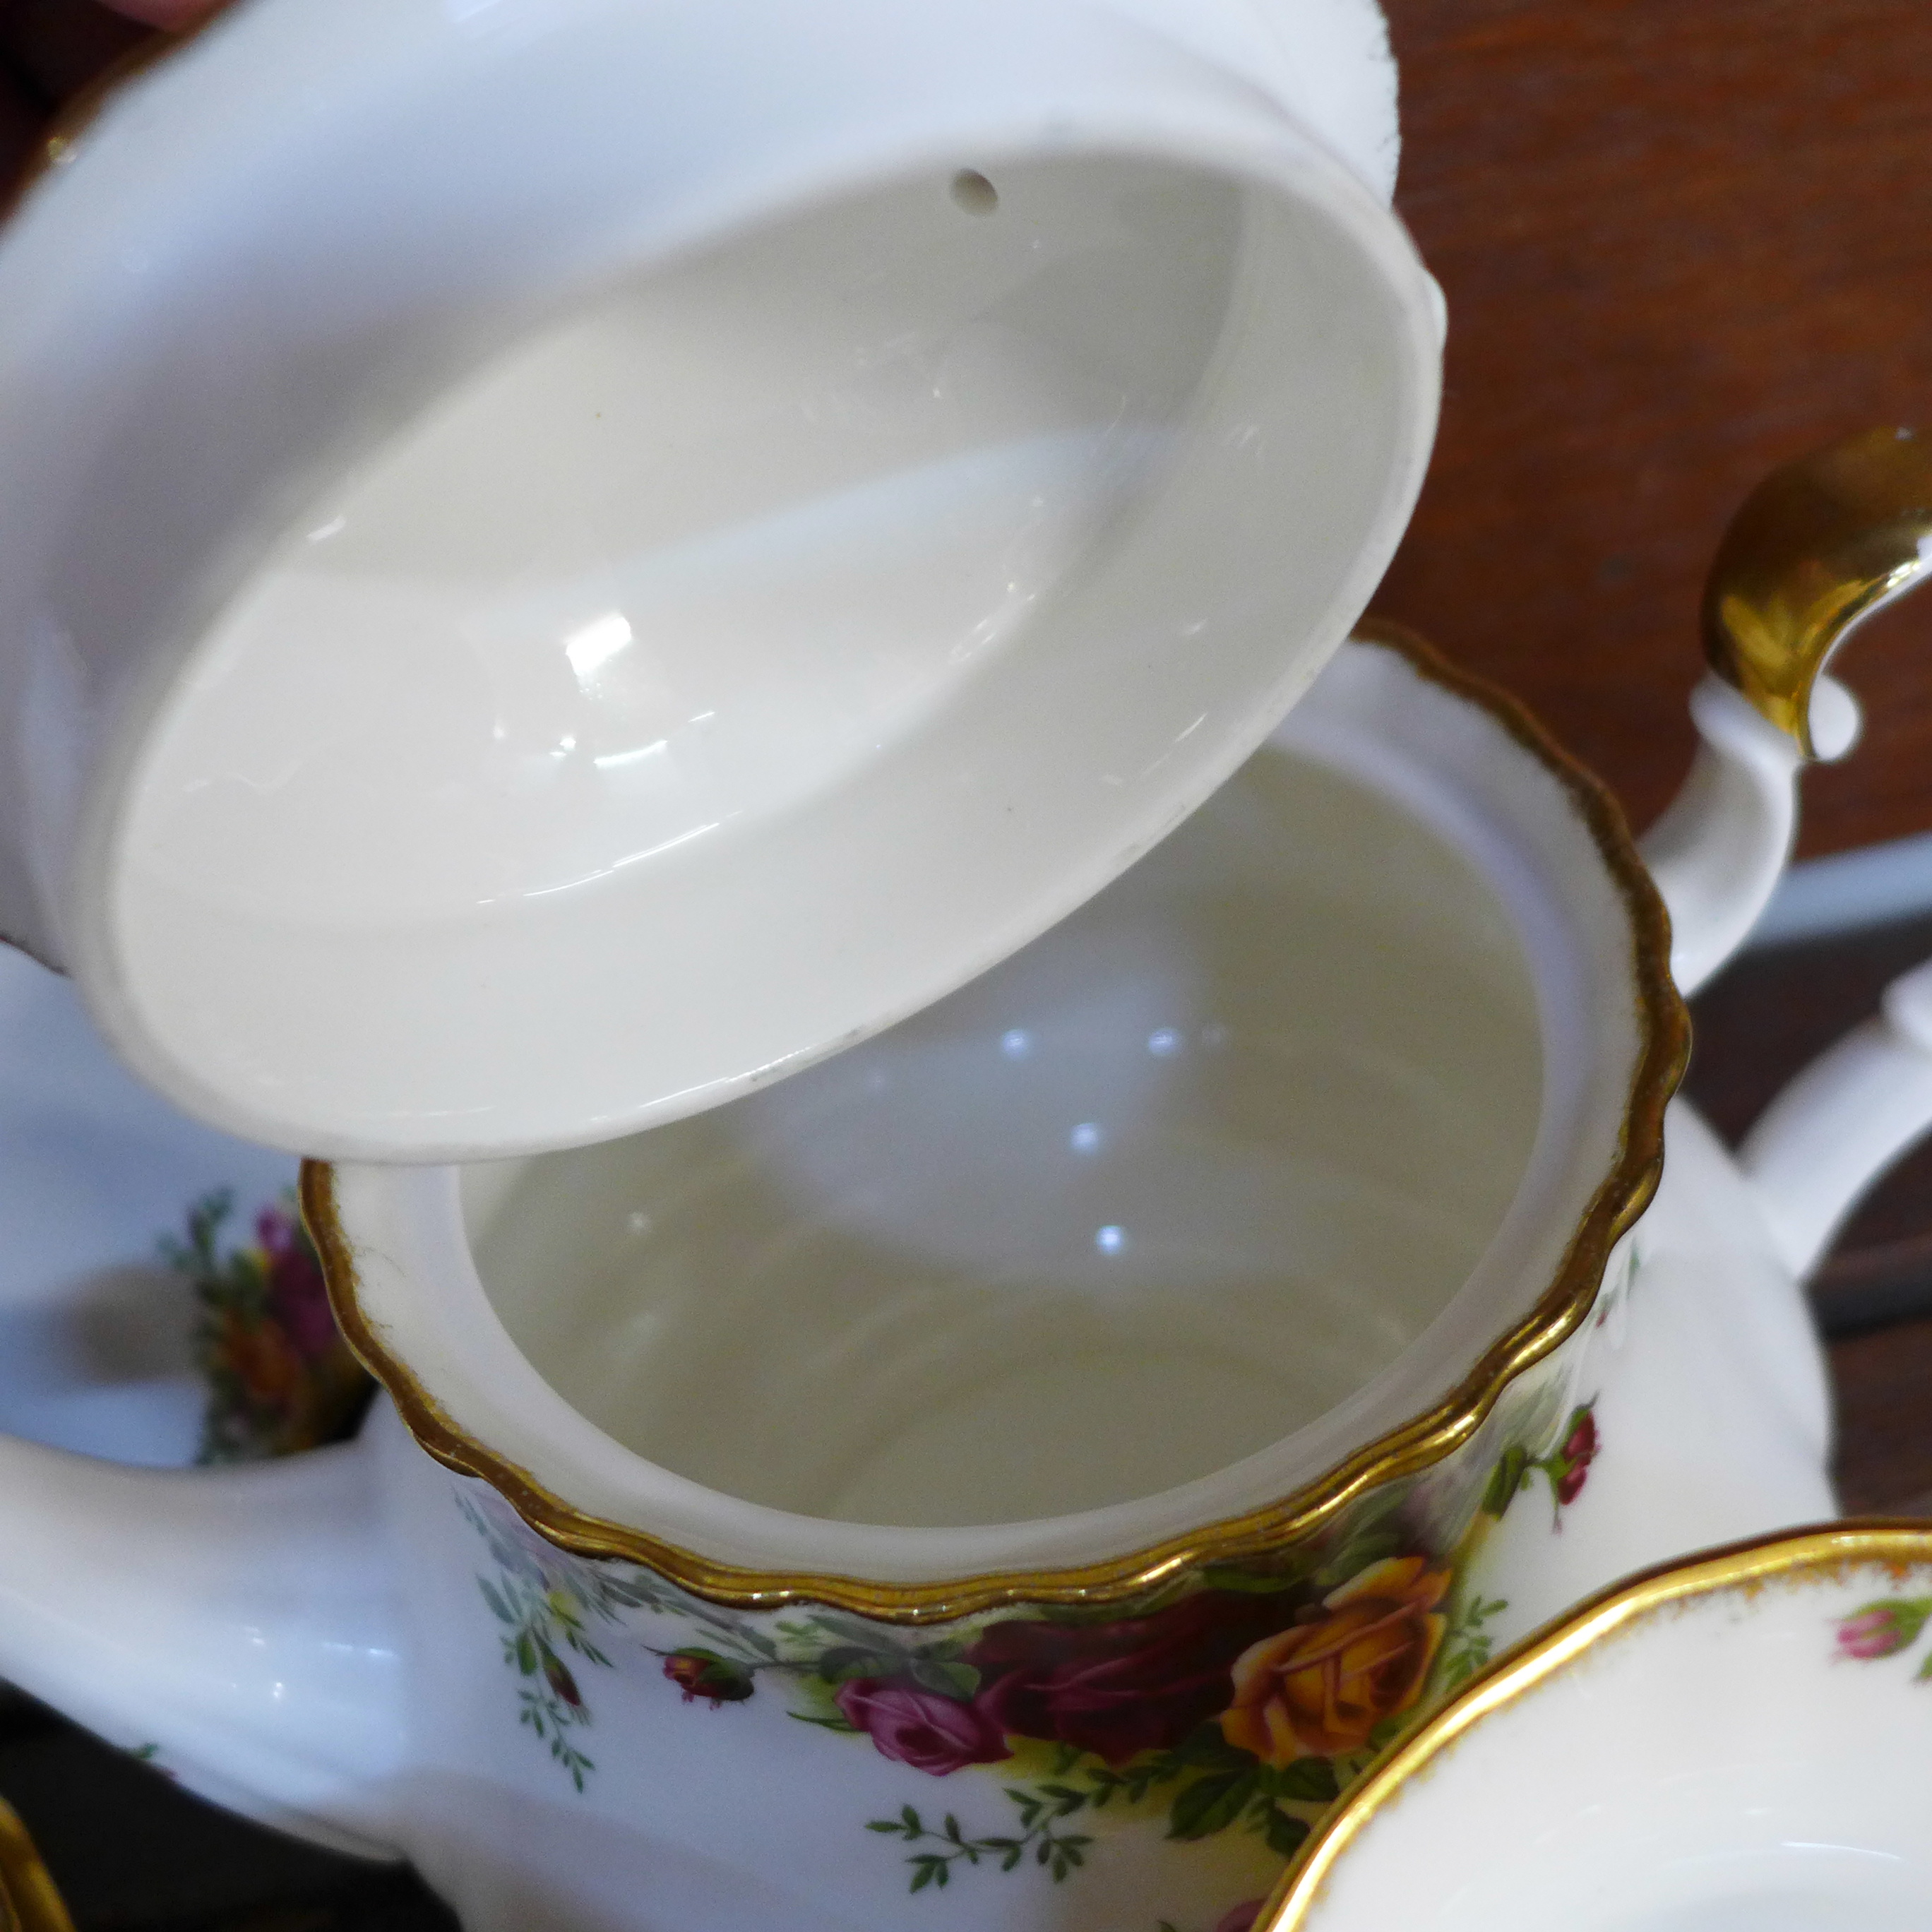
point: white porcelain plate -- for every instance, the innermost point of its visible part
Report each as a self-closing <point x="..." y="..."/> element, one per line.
<point x="1739" y="1744"/>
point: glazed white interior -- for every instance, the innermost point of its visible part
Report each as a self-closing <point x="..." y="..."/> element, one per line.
<point x="1156" y="1193"/>
<point x="1462" y="779"/>
<point x="898" y="567"/>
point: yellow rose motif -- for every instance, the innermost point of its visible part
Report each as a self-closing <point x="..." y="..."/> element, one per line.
<point x="1319" y="1688"/>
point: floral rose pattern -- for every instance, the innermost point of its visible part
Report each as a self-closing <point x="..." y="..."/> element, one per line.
<point x="925" y="1729"/>
<point x="279" y="1377"/>
<point x="1884" y="1629"/>
<point x="1241" y="1699"/>
<point x="1566" y="1468"/>
<point x="703" y="1673"/>
<point x="1116" y="1690"/>
<point x="1322" y="1687"/>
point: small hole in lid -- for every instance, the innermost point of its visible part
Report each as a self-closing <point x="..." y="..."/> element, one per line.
<point x="974" y="193"/>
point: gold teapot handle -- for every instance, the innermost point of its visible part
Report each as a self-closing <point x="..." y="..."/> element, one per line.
<point x="1819" y="544"/>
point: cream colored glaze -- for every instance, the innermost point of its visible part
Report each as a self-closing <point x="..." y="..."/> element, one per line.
<point x="1164" y="1188"/>
<point x="696" y="554"/>
<point x="900" y="564"/>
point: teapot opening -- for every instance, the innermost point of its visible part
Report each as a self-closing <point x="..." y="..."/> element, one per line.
<point x="1166" y="1187"/>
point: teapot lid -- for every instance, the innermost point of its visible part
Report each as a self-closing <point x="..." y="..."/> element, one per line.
<point x="643" y="621"/>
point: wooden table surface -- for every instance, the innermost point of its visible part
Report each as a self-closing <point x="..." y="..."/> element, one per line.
<point x="1682" y="241"/>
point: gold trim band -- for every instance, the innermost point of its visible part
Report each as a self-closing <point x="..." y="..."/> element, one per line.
<point x="1828" y="1550"/>
<point x="1817" y="545"/>
<point x="1665" y="1031"/>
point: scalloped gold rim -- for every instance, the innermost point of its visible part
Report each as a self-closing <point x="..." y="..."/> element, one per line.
<point x="1426" y="1440"/>
<point x="28" y="1897"/>
<point x="1831" y="1548"/>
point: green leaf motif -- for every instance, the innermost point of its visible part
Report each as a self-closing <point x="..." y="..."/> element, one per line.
<point x="1309" y="1780"/>
<point x="1511" y="1475"/>
<point x="1209" y="1749"/>
<point x="1285" y="1833"/>
<point x="950" y="1680"/>
<point x="1361" y="1548"/>
<point x="1247" y="1583"/>
<point x="1211" y="1804"/>
<point x="845" y="1663"/>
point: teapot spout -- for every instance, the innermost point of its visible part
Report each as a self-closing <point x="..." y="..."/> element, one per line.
<point x="238" y="1627"/>
<point x="1841" y="1124"/>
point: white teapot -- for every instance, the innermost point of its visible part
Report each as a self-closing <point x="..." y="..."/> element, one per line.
<point x="1015" y="1473"/>
<point x="1028" y="1460"/>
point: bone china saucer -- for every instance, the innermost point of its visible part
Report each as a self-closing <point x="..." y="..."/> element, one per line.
<point x="1735" y="1744"/>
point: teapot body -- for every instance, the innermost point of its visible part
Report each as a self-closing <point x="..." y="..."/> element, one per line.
<point x="582" y="1689"/>
<point x="1031" y="1743"/>
<point x="592" y="1743"/>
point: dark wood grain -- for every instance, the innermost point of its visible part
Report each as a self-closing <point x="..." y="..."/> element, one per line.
<point x="1681" y="244"/>
<point x="1883" y="1382"/>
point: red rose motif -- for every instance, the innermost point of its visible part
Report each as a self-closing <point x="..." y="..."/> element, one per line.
<point x="1241" y="1918"/>
<point x="1118" y="1689"/>
<point x="297" y="1298"/>
<point x="930" y="1732"/>
<point x="1574" y="1458"/>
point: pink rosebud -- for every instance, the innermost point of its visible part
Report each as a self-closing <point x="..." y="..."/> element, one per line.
<point x="925" y="1729"/>
<point x="1883" y="1629"/>
<point x="1573" y="1459"/>
<point x="703" y="1673"/>
<point x="1582" y="1445"/>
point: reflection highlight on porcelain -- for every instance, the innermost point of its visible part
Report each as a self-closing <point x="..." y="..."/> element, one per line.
<point x="1165" y="1186"/>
